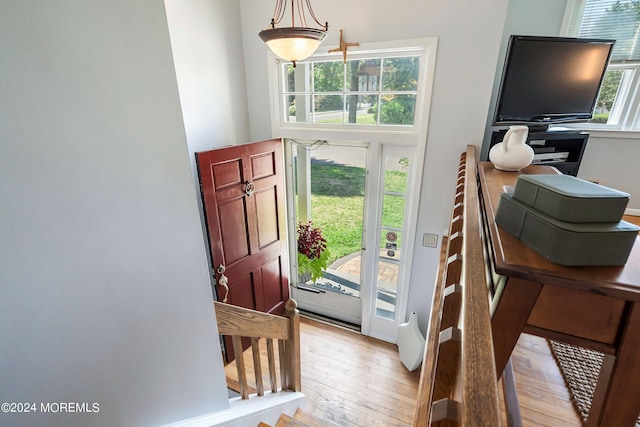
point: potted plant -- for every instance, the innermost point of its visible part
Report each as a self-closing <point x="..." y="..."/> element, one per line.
<point x="312" y="252"/>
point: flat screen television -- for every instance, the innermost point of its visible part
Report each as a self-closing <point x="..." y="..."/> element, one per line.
<point x="550" y="80"/>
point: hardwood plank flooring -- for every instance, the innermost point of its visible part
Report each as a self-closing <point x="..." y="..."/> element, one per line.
<point x="542" y="394"/>
<point x="353" y="380"/>
<point x="632" y="219"/>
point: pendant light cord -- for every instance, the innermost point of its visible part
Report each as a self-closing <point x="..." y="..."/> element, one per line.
<point x="280" y="9"/>
<point x="313" y="15"/>
<point x="278" y="13"/>
<point x="301" y="16"/>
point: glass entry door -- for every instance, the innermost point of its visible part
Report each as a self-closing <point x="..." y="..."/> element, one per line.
<point x="329" y="182"/>
<point x="358" y="198"/>
<point x="392" y="242"/>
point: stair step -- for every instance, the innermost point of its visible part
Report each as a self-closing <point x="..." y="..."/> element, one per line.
<point x="300" y="419"/>
<point x="286" y="421"/>
<point x="311" y="420"/>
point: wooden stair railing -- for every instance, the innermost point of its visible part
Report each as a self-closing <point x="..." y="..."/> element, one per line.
<point x="239" y="322"/>
<point x="458" y="384"/>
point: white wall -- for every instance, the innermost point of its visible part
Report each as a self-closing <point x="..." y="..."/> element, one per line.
<point x="207" y="50"/>
<point x="469" y="35"/>
<point x="105" y="293"/>
<point x="613" y="162"/>
<point x="206" y="43"/>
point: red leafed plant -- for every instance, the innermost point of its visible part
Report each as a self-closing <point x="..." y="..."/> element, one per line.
<point x="312" y="250"/>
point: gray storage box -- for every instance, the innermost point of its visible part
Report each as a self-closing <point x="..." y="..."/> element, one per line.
<point x="570" y="244"/>
<point x="571" y="199"/>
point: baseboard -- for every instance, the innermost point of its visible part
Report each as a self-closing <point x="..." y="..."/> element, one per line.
<point x="632" y="212"/>
<point x="351" y="327"/>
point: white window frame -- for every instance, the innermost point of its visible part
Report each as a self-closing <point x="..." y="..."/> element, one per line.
<point x="626" y="106"/>
<point x="381" y="139"/>
<point x="425" y="48"/>
<point x="378" y="326"/>
<point x="310" y="93"/>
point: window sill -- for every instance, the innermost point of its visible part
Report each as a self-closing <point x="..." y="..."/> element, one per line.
<point x="609" y="133"/>
<point x="389" y="135"/>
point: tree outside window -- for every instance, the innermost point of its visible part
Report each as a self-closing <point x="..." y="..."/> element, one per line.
<point x="371" y="91"/>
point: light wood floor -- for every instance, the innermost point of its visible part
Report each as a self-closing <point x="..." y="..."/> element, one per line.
<point x="632" y="219"/>
<point x="358" y="381"/>
<point x="542" y="394"/>
<point x="354" y="380"/>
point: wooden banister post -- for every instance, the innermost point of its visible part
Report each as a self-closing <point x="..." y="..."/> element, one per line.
<point x="294" y="379"/>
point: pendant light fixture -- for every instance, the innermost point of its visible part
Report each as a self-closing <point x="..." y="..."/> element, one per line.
<point x="294" y="43"/>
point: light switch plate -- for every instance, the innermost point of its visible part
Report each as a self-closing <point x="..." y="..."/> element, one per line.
<point x="430" y="240"/>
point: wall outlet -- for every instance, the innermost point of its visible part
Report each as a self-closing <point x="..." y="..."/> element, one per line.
<point x="430" y="240"/>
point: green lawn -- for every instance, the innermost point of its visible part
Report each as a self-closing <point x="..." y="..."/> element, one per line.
<point x="600" y="118"/>
<point x="363" y="119"/>
<point x="337" y="203"/>
<point x="337" y="200"/>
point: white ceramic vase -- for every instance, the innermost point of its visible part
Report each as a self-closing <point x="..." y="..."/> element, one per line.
<point x="513" y="153"/>
<point x="411" y="343"/>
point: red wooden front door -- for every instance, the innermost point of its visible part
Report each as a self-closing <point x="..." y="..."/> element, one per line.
<point x="244" y="205"/>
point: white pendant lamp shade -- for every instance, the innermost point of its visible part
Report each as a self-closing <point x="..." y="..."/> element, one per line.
<point x="293" y="43"/>
<point x="296" y="42"/>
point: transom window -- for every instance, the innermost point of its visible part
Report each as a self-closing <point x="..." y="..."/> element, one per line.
<point x="617" y="105"/>
<point x="380" y="92"/>
<point x="368" y="91"/>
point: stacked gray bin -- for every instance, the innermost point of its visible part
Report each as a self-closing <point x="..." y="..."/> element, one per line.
<point x="567" y="220"/>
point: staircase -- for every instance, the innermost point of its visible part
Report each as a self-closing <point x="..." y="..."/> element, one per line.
<point x="268" y="401"/>
<point x="300" y="419"/>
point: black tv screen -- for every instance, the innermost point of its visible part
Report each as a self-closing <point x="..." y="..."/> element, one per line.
<point x="549" y="80"/>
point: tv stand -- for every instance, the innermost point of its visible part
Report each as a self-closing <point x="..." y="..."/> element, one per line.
<point x="560" y="147"/>
<point x="542" y="127"/>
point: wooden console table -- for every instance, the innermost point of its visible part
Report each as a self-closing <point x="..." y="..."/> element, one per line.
<point x="593" y="307"/>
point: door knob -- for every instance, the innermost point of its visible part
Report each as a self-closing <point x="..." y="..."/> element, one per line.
<point x="249" y="188"/>
<point x="223" y="281"/>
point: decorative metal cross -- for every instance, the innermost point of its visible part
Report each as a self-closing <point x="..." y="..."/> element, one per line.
<point x="343" y="47"/>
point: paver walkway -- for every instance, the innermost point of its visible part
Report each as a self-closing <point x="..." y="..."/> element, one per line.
<point x="351" y="264"/>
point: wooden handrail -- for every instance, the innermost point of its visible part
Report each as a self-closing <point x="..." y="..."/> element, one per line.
<point x="458" y="380"/>
<point x="239" y="322"/>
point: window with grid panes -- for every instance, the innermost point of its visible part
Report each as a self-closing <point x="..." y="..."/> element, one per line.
<point x="617" y="105"/>
<point x="366" y="91"/>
